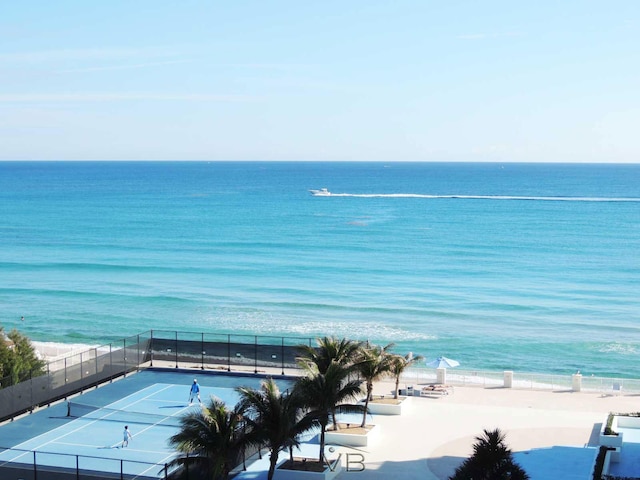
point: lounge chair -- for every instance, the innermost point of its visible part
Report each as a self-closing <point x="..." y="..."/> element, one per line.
<point x="617" y="388"/>
<point x="435" y="390"/>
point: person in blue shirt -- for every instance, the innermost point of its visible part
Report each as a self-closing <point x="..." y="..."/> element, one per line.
<point x="195" y="392"/>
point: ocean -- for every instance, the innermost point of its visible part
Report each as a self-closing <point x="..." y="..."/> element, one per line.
<point x="525" y="267"/>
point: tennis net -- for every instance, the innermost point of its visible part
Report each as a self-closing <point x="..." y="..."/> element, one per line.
<point x="91" y="412"/>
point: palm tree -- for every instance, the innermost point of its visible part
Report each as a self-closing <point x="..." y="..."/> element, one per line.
<point x="373" y="363"/>
<point x="399" y="364"/>
<point x="324" y="393"/>
<point x="329" y="349"/>
<point x="275" y="420"/>
<point x="491" y="460"/>
<point x="210" y="438"/>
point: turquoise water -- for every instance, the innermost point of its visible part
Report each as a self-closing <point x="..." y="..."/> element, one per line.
<point x="526" y="267"/>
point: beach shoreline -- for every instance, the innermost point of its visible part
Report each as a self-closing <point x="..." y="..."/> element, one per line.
<point x="52" y="351"/>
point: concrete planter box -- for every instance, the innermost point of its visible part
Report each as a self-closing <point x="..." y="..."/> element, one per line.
<point x="625" y="421"/>
<point x="378" y="408"/>
<point x="612" y="456"/>
<point x="614" y="441"/>
<point x="342" y="437"/>
<point x="330" y="472"/>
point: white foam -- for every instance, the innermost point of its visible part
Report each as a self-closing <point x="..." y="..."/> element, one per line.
<point x="50" y="351"/>
<point x="488" y="197"/>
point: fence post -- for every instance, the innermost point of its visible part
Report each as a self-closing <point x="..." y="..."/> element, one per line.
<point x="202" y="350"/>
<point x="255" y="368"/>
<point x="77" y="468"/>
<point x="151" y="349"/>
<point x="31" y="390"/>
<point x="124" y="356"/>
<point x="110" y="364"/>
<point x="282" y="354"/>
<point x="176" y="349"/>
<point x="508" y="379"/>
<point x="121" y="469"/>
<point x="49" y="383"/>
<point x="229" y="352"/>
<point x="138" y="365"/>
<point x="35" y="466"/>
<point x="81" y="376"/>
<point x="576" y="382"/>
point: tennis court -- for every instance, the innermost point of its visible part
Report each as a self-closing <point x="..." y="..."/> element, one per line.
<point x="83" y="438"/>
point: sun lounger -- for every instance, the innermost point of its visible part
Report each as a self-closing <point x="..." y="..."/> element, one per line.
<point x="435" y="390"/>
<point x="617" y="388"/>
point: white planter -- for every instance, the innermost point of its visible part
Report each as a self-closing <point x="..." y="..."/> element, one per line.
<point x="626" y="421"/>
<point x="611" y="440"/>
<point x="385" y="408"/>
<point x="341" y="437"/>
<point x="330" y="472"/>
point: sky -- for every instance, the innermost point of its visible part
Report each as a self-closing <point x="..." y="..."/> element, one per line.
<point x="347" y="80"/>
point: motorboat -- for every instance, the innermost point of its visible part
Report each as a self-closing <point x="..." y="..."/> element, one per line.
<point x="323" y="192"/>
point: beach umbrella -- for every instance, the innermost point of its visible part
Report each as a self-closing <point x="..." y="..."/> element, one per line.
<point x="443" y="362"/>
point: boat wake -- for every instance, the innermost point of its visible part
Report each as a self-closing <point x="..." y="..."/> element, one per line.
<point x="485" y="197"/>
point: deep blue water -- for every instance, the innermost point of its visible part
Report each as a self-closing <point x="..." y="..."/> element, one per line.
<point x="531" y="267"/>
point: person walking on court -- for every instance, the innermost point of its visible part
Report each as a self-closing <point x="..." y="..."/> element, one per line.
<point x="126" y="435"/>
<point x="194" y="392"/>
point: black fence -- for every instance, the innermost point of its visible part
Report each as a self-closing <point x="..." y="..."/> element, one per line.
<point x="224" y="351"/>
<point x="41" y="465"/>
<point x="77" y="372"/>
<point x="72" y="374"/>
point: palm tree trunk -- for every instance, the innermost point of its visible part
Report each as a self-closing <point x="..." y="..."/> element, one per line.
<point x="322" y="430"/>
<point x="273" y="459"/>
<point x="366" y="404"/>
<point x="395" y="393"/>
<point x="334" y="419"/>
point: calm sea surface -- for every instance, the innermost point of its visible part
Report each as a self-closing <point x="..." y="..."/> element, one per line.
<point x="526" y="267"/>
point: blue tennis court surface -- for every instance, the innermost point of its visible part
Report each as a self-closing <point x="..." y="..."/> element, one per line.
<point x="90" y="440"/>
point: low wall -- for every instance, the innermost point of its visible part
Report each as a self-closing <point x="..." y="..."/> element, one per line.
<point x="626" y="421"/>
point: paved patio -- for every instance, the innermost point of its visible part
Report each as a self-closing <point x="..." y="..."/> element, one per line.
<point x="552" y="434"/>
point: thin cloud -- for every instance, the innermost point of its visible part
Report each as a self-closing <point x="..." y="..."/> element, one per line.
<point x="85" y="54"/>
<point x="124" y="67"/>
<point x="119" y="97"/>
<point x="268" y="66"/>
<point x="485" y="36"/>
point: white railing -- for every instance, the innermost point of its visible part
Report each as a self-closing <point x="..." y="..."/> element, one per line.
<point x="521" y="380"/>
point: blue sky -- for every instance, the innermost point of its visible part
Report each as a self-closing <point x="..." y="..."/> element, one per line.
<point x="332" y="80"/>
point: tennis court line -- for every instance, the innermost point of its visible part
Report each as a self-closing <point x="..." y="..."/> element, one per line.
<point x="158" y="423"/>
<point x="161" y="462"/>
<point x="109" y="458"/>
<point x="56" y="440"/>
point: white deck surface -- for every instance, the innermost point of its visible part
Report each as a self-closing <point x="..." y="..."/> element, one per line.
<point x="550" y="434"/>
